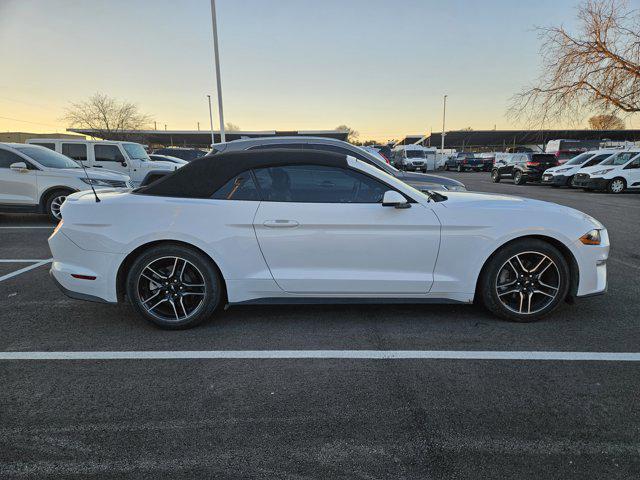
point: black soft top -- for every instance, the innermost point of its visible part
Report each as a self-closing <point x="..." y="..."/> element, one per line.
<point x="204" y="176"/>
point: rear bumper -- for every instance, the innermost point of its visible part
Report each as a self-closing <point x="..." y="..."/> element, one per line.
<point x="591" y="183"/>
<point x="69" y="260"/>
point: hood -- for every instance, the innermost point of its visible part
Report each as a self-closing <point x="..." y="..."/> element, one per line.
<point x="96" y="173"/>
<point x="424" y="179"/>
<point x="509" y="203"/>
<point x="597" y="168"/>
<point x="565" y="168"/>
<point x="160" y="165"/>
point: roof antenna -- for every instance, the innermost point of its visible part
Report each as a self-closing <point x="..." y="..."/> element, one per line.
<point x="89" y="180"/>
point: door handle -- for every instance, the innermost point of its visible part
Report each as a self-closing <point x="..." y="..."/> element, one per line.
<point x="280" y="223"/>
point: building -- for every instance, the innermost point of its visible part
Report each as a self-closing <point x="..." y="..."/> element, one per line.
<point x="199" y="138"/>
<point x="21" y="137"/>
<point x="503" y="139"/>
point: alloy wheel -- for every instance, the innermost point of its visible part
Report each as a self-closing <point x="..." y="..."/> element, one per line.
<point x="56" y="204"/>
<point x="528" y="283"/>
<point x="171" y="289"/>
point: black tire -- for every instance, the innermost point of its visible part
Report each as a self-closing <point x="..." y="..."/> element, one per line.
<point x="52" y="204"/>
<point x="518" y="178"/>
<point x="495" y="176"/>
<point x="569" y="182"/>
<point x="199" y="266"/>
<point x="488" y="289"/>
<point x="460" y="168"/>
<point x="616" y="185"/>
<point x="446" y="167"/>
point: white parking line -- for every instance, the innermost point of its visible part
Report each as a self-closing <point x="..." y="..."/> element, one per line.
<point x="25" y="269"/>
<point x="328" y="354"/>
<point x="22" y="260"/>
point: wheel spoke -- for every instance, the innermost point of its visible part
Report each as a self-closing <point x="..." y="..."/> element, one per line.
<point x="173" y="304"/>
<point x="153" y="281"/>
<point x="184" y="310"/>
<point x="521" y="302"/>
<point x="184" y="265"/>
<point x="544" y="257"/>
<point x="155" y="273"/>
<point x="540" y="282"/>
<point x="151" y="298"/>
<point x="161" y="301"/>
<point x="173" y="269"/>
<point x="510" y="291"/>
<point x="529" y="303"/>
<point x="521" y="264"/>
<point x="544" y="293"/>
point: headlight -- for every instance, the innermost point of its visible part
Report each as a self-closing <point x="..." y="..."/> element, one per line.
<point x="602" y="172"/>
<point x="591" y="238"/>
<point x="95" y="182"/>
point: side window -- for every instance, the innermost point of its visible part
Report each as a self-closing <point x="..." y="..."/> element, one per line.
<point x="634" y="164"/>
<point x="595" y="160"/>
<point x="75" y="151"/>
<point x="240" y="187"/>
<point x="318" y="184"/>
<point x="336" y="149"/>
<point x="50" y="146"/>
<point x="107" y="153"/>
<point x="7" y="158"/>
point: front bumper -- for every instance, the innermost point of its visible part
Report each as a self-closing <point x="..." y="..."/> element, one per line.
<point x="559" y="180"/>
<point x="591" y="183"/>
<point x="592" y="266"/>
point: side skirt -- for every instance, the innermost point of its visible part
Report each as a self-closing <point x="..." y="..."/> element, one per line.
<point x="345" y="301"/>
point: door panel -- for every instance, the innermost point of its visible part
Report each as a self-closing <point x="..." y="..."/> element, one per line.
<point x="348" y="248"/>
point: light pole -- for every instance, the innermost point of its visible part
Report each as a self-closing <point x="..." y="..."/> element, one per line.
<point x="444" y="116"/>
<point x="213" y="139"/>
<point x="217" y="63"/>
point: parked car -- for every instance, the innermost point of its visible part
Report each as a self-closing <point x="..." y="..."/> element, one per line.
<point x="421" y="181"/>
<point x="35" y="179"/>
<point x="385" y="151"/>
<point x="464" y="161"/>
<point x="187" y="154"/>
<point x="522" y="167"/>
<point x="309" y="226"/>
<point x="563" y="175"/>
<point x="128" y="158"/>
<point x="166" y="158"/>
<point x="565" y="150"/>
<point x="616" y="174"/>
<point x="414" y="158"/>
<point x="488" y="159"/>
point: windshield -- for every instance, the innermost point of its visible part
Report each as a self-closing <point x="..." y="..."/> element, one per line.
<point x="136" y="151"/>
<point x="415" y="154"/>
<point x="48" y="158"/>
<point x="580" y="159"/>
<point x="620" y="158"/>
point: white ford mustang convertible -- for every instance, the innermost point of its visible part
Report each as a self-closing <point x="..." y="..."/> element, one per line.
<point x="287" y="226"/>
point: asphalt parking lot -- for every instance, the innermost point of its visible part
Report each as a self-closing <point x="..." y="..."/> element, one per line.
<point x="323" y="417"/>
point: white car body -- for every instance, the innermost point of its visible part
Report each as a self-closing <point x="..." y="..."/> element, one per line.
<point x="26" y="189"/>
<point x="623" y="165"/>
<point x="109" y="155"/>
<point x="562" y="174"/>
<point x="332" y="250"/>
<point x="424" y="159"/>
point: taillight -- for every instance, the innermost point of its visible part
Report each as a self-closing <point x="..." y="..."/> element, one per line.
<point x="533" y="164"/>
<point x="464" y="161"/>
<point x="385" y="157"/>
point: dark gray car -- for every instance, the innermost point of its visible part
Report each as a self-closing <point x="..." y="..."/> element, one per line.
<point x="419" y="181"/>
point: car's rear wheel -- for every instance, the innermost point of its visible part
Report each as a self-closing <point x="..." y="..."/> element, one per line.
<point x="53" y="204"/>
<point x="495" y="176"/>
<point x="525" y="280"/>
<point x="518" y="178"/>
<point x="174" y="286"/>
<point x="617" y="185"/>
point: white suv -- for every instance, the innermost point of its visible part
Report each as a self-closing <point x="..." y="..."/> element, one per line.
<point x="124" y="157"/>
<point x="616" y="174"/>
<point x="37" y="180"/>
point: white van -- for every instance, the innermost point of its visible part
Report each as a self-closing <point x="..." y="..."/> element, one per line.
<point x="414" y="158"/>
<point x="616" y="174"/>
<point x="128" y="158"/>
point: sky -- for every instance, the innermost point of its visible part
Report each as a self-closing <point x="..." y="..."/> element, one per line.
<point x="379" y="66"/>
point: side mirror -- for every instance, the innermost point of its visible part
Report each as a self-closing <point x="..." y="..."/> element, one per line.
<point x="19" y="166"/>
<point x="121" y="159"/>
<point x="395" y="199"/>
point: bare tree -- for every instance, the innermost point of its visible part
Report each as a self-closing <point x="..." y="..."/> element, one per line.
<point x="596" y="69"/>
<point x="352" y="135"/>
<point x="606" y="122"/>
<point x="231" y="127"/>
<point x="107" y="115"/>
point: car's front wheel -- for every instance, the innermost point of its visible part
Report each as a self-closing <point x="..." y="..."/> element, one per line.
<point x="495" y="176"/>
<point x="53" y="204"/>
<point x="617" y="185"/>
<point x="525" y="280"/>
<point x="174" y="286"/>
